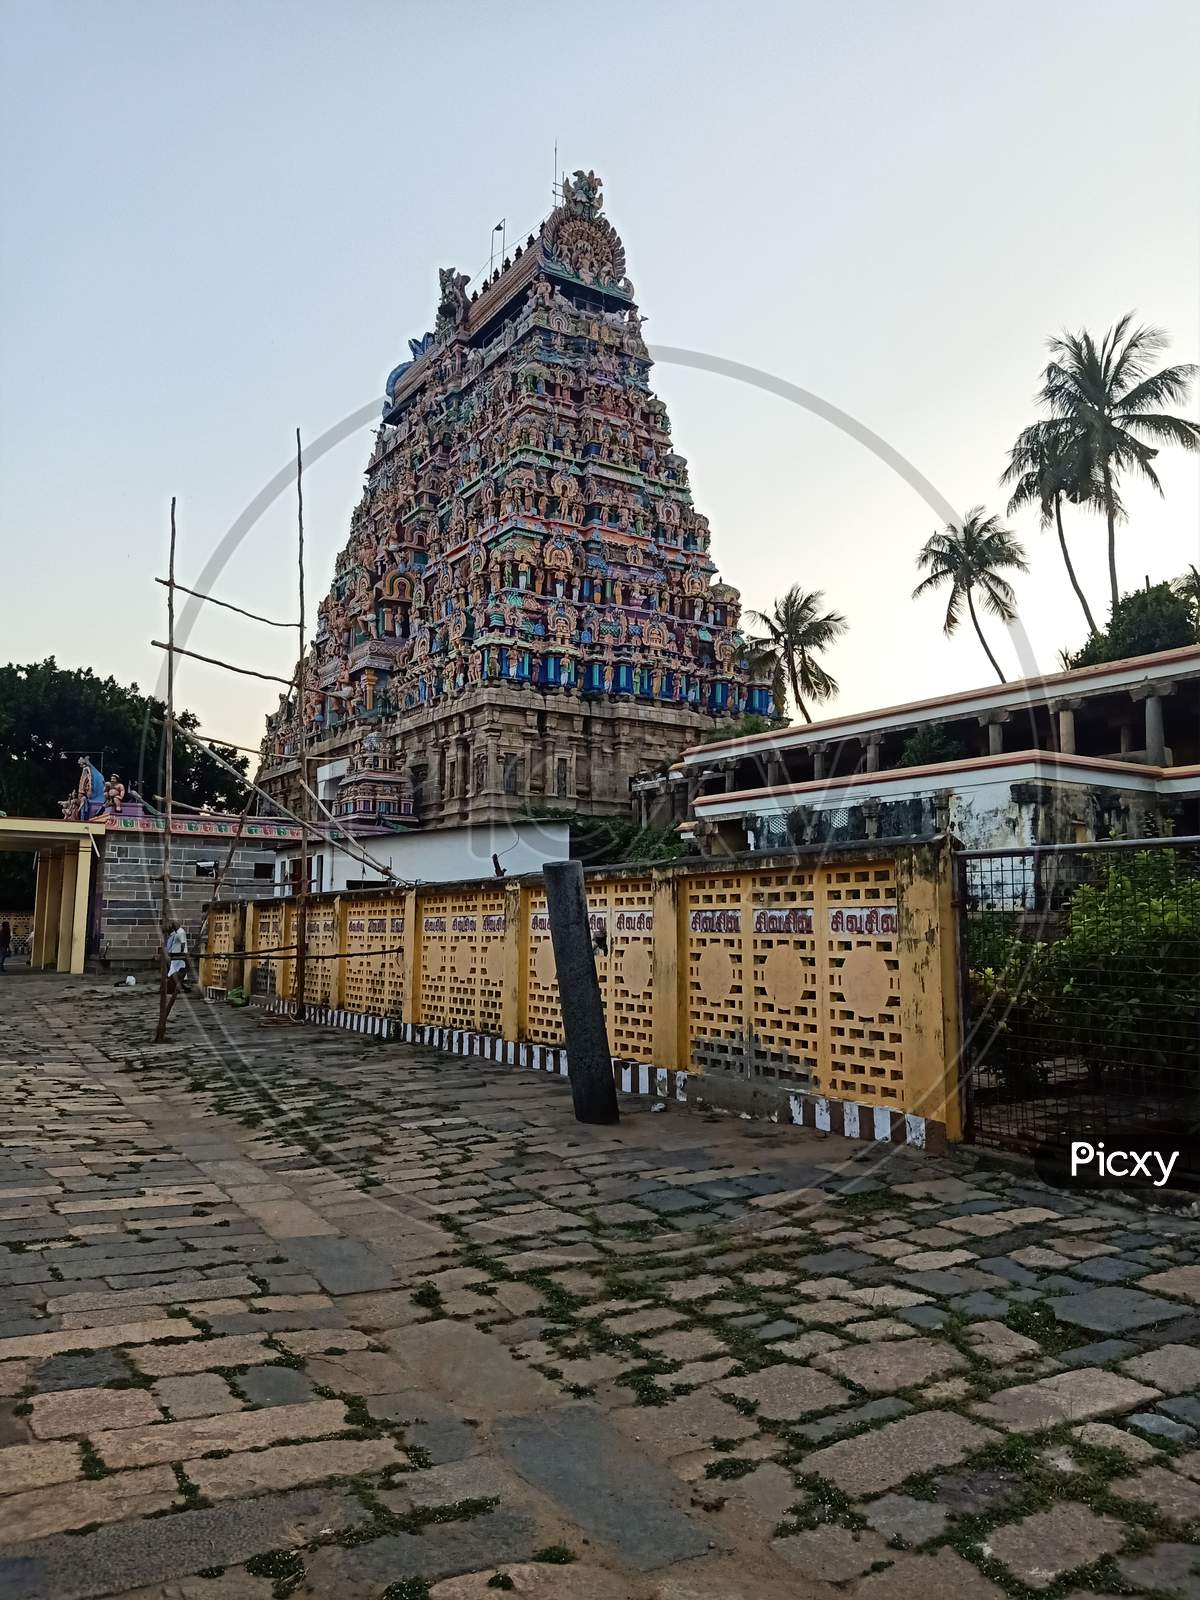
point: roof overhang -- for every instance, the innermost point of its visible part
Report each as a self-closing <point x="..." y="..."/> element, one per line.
<point x="1024" y="694"/>
<point x="46" y="836"/>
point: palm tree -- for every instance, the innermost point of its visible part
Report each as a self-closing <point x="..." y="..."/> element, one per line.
<point x="1112" y="404"/>
<point x="969" y="558"/>
<point x="1043" y="466"/>
<point x="796" y="631"/>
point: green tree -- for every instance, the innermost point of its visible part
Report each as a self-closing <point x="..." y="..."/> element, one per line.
<point x="50" y="715"/>
<point x="971" y="558"/>
<point x="746" y="728"/>
<point x="1044" y="466"/>
<point x="1146" y="621"/>
<point x="1112" y="404"/>
<point x="796" y="631"/>
<point x="930" y="744"/>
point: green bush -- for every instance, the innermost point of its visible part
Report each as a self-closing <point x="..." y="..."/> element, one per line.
<point x="1119" y="981"/>
<point x="1125" y="976"/>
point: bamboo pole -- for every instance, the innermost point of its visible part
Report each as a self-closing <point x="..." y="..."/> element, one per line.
<point x="247" y="672"/>
<point x="168" y="785"/>
<point x="302" y="712"/>
<point x="225" y="605"/>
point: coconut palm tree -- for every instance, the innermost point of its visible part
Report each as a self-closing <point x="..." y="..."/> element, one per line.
<point x="1112" y="404"/>
<point x="796" y="631"/>
<point x="1043" y="466"/>
<point x="969" y="558"/>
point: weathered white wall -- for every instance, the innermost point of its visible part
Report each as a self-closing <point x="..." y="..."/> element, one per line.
<point x="986" y="809"/>
<point x="443" y="854"/>
<point x="985" y="817"/>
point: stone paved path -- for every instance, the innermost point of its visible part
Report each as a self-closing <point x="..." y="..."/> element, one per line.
<point x="285" y="1311"/>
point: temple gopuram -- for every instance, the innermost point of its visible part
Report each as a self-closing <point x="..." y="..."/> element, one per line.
<point x="525" y="614"/>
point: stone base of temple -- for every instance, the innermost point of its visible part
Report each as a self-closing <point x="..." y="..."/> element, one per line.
<point x="502" y="753"/>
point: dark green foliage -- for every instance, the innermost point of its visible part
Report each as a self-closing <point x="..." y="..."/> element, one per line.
<point x="93" y="1466"/>
<point x="614" y="841"/>
<point x="500" y="1580"/>
<point x="49" y="714"/>
<point x="1035" y="1320"/>
<point x="555" y="1555"/>
<point x="285" y="1567"/>
<point x="729" y="1467"/>
<point x="1149" y="620"/>
<point x="929" y="745"/>
<point x="407" y="1589"/>
<point x="745" y="729"/>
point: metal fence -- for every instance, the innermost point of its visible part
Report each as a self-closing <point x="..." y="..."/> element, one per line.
<point x="1081" y="992"/>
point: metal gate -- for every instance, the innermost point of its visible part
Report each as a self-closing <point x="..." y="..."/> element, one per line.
<point x="1081" y="992"/>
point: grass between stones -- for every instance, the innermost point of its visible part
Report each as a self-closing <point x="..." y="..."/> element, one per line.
<point x="1036" y="1320"/>
<point x="408" y="1589"/>
<point x="874" y="1203"/>
<point x="92" y="1464"/>
<point x="286" y="1569"/>
<point x="428" y="1297"/>
<point x="824" y="1503"/>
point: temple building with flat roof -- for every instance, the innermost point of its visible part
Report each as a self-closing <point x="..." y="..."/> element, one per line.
<point x="1099" y="752"/>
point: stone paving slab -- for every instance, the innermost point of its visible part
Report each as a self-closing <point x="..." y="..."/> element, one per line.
<point x="243" y="1430"/>
<point x="880" y="1460"/>
<point x="125" y="1555"/>
<point x="290" y="1465"/>
<point x="1173" y="1368"/>
<point x="608" y="1489"/>
<point x="1040" y="1548"/>
<point x="1076" y="1396"/>
<point x="786" y="1392"/>
<point x="83" y="1411"/>
<point x="917" y="1577"/>
<point x="885" y="1366"/>
<point x="30" y="1466"/>
<point x="1112" y="1310"/>
<point x="60" y="1507"/>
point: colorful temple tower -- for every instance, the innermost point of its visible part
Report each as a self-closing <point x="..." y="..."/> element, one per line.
<point x="525" y="614"/>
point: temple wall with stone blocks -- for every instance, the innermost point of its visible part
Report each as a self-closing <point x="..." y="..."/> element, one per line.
<point x="128" y="893"/>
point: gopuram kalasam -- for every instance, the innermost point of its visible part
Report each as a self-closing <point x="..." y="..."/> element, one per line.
<point x="525" y="614"/>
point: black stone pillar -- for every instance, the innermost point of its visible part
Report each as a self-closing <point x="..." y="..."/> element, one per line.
<point x="589" y="1060"/>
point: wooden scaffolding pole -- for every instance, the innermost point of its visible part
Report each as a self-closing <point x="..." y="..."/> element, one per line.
<point x="302" y="718"/>
<point x="168" y="786"/>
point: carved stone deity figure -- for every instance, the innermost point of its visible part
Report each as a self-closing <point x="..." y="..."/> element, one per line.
<point x="583" y="196"/>
<point x="452" y="306"/>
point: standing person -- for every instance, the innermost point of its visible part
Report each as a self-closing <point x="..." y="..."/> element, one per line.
<point x="5" y="943"/>
<point x="176" y="948"/>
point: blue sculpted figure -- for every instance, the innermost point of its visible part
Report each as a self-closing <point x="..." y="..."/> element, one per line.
<point x="91" y="790"/>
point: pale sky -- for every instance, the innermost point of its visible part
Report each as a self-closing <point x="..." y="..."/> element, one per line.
<point x="223" y="222"/>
